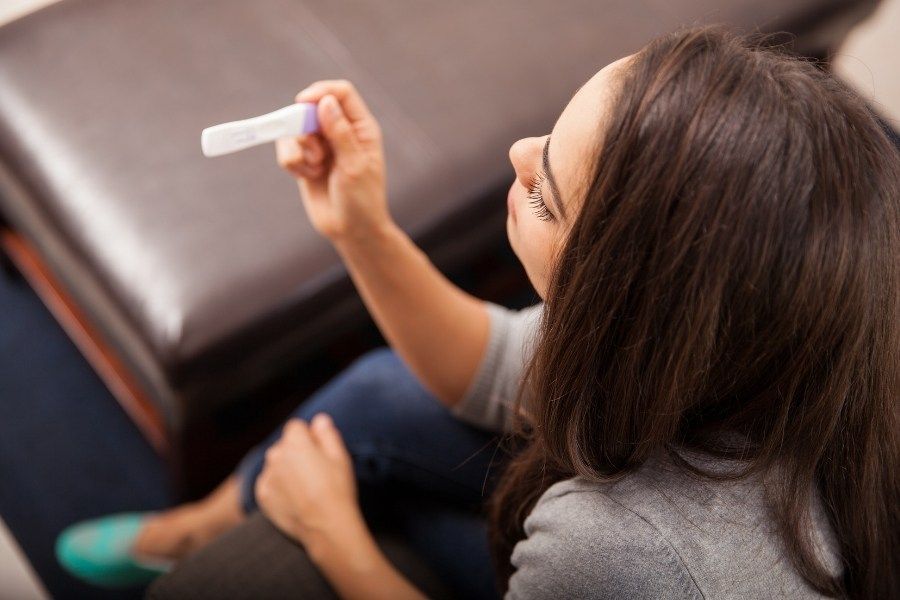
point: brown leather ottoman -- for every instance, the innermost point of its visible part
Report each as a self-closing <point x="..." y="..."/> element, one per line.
<point x="190" y="282"/>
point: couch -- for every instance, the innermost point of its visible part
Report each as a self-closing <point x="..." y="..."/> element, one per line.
<point x="192" y="284"/>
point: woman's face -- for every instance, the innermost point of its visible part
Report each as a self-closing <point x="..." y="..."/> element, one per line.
<point x="551" y="177"/>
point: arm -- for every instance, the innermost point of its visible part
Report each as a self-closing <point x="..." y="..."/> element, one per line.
<point x="490" y="399"/>
<point x="356" y="567"/>
<point x="438" y="330"/>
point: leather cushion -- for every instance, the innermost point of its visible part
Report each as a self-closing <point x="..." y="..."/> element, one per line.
<point x="210" y="265"/>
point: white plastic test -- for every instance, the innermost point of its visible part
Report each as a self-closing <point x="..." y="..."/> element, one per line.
<point x="293" y="120"/>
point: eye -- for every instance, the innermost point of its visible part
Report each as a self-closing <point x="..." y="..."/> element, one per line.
<point x="536" y="198"/>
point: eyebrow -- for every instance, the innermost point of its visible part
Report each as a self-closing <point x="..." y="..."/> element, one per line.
<point x="553" y="187"/>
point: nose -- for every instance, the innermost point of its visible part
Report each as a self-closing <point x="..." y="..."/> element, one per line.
<point x="518" y="156"/>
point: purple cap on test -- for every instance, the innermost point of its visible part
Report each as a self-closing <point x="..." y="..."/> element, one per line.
<point x="311" y="120"/>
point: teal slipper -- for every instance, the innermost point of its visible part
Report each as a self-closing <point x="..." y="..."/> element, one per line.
<point x="100" y="551"/>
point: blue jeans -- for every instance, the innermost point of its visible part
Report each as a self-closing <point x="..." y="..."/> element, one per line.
<point x="412" y="454"/>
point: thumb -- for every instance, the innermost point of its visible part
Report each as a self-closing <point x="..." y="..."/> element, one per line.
<point x="338" y="131"/>
<point x="328" y="437"/>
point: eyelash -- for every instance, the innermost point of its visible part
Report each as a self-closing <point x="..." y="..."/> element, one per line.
<point x="537" y="198"/>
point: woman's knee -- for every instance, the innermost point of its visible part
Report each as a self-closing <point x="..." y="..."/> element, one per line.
<point x="373" y="392"/>
<point x="379" y="376"/>
<point x="378" y="368"/>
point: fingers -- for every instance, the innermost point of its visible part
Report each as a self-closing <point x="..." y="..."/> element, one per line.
<point x="345" y="92"/>
<point x="313" y="148"/>
<point x="320" y="434"/>
<point x="368" y="131"/>
<point x="296" y="433"/>
<point x="328" y="437"/>
<point x="303" y="156"/>
<point x="340" y="134"/>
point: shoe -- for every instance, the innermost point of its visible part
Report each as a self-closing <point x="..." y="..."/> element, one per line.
<point x="99" y="551"/>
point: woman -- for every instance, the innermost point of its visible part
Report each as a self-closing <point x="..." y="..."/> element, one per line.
<point x="708" y="393"/>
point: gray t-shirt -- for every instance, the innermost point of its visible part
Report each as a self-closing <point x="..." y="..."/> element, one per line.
<point x="657" y="533"/>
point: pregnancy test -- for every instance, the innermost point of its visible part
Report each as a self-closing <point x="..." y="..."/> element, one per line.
<point x="293" y="120"/>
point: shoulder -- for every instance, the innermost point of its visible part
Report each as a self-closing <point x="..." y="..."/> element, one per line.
<point x="523" y="321"/>
<point x="658" y="532"/>
<point x="487" y="401"/>
<point x="581" y="542"/>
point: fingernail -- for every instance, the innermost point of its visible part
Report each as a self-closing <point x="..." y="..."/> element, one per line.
<point x="331" y="105"/>
<point x="323" y="418"/>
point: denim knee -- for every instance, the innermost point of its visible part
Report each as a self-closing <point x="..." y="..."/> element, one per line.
<point x="379" y="370"/>
<point x="376" y="383"/>
<point x="370" y="401"/>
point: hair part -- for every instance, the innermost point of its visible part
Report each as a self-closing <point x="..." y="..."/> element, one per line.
<point x="731" y="286"/>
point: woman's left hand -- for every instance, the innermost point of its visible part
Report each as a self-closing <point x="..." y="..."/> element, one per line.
<point x="307" y="487"/>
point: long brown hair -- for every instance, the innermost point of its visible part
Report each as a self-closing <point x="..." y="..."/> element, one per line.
<point x="734" y="268"/>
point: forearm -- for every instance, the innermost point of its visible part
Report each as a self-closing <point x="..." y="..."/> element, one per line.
<point x="357" y="569"/>
<point x="439" y="330"/>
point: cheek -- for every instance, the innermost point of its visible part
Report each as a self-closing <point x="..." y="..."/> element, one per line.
<point x="543" y="248"/>
<point x="534" y="241"/>
<point x="531" y="238"/>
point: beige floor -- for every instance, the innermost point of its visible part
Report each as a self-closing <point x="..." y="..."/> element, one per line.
<point x="17" y="579"/>
<point x="870" y="60"/>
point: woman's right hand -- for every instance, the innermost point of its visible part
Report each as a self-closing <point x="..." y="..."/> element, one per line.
<point x="340" y="169"/>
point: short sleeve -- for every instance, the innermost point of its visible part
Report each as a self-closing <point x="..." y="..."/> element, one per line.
<point x="581" y="544"/>
<point x="488" y="400"/>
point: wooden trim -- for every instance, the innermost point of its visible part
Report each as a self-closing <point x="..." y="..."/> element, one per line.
<point x="99" y="354"/>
